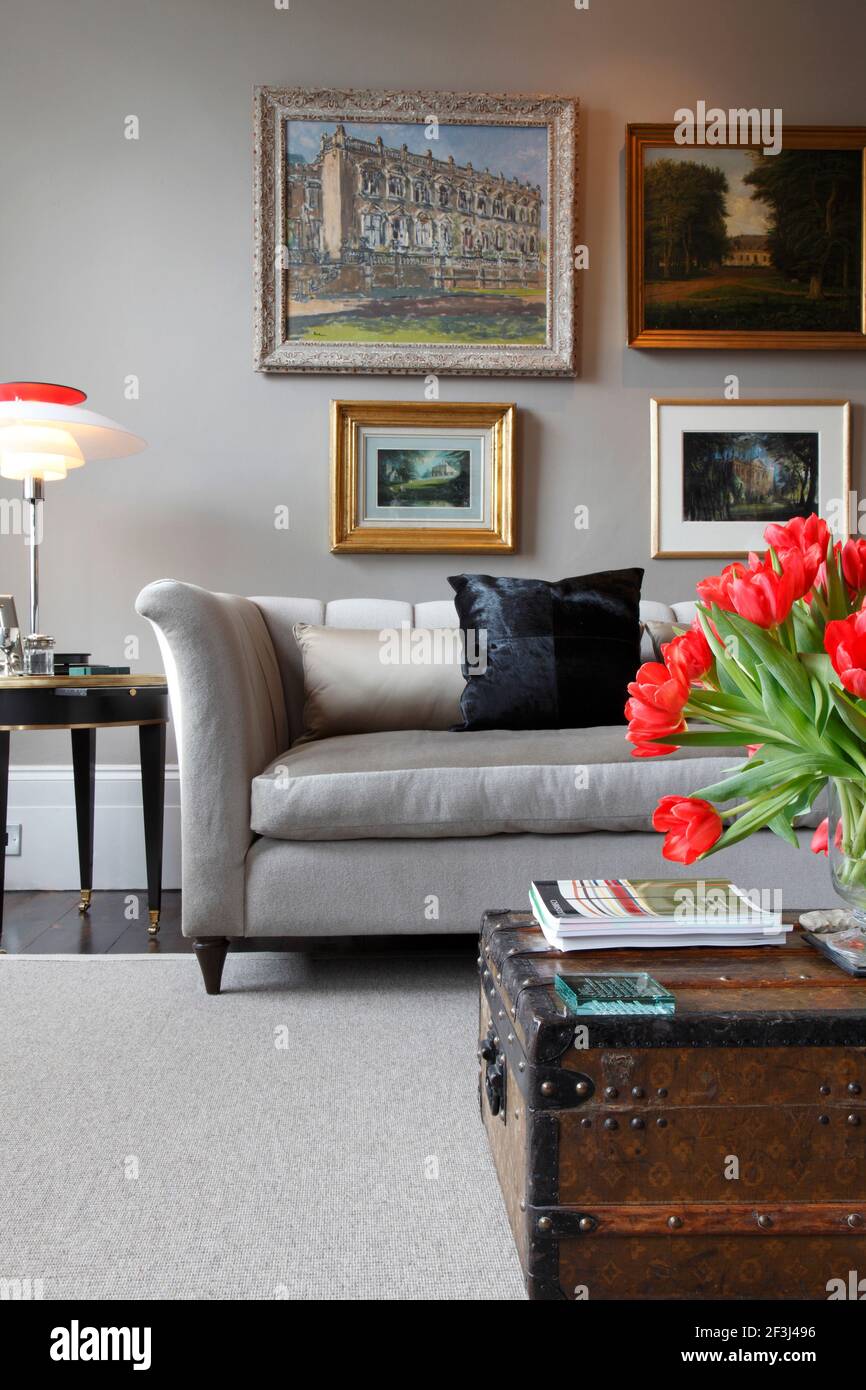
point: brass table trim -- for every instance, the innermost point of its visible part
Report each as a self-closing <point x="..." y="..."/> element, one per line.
<point x="113" y="724"/>
<point x="82" y="682"/>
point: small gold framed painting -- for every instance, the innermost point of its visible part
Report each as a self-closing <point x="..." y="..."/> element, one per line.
<point x="422" y="476"/>
<point x="723" y="470"/>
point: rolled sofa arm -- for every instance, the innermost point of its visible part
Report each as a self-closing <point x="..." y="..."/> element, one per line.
<point x="229" y="716"/>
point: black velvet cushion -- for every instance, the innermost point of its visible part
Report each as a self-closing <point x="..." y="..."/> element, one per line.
<point x="559" y="656"/>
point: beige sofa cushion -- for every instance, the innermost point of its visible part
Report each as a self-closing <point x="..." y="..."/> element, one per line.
<point x="359" y="681"/>
<point x="422" y="784"/>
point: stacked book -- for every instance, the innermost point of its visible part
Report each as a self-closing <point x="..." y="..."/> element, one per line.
<point x="592" y="914"/>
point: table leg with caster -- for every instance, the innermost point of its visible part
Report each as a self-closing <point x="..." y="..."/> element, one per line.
<point x="4" y="797"/>
<point x="151" y="742"/>
<point x="84" y="777"/>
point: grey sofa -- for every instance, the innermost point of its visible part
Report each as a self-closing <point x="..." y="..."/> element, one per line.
<point x="398" y="832"/>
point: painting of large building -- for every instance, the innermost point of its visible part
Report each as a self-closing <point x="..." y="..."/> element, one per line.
<point x="748" y="249"/>
<point x="756" y="477"/>
<point x="373" y="228"/>
<point x="750" y="475"/>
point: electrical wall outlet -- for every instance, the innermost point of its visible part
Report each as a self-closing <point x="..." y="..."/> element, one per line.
<point x="13" y="839"/>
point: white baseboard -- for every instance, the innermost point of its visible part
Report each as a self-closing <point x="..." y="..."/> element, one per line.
<point x="42" y="802"/>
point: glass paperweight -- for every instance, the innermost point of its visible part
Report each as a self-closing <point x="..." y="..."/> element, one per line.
<point x="38" y="655"/>
<point x="614" y="994"/>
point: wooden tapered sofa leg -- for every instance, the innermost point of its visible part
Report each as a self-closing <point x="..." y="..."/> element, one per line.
<point x="211" y="955"/>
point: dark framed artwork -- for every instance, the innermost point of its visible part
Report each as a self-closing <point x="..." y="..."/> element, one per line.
<point x="731" y="247"/>
<point x="414" y="232"/>
<point x="722" y="470"/>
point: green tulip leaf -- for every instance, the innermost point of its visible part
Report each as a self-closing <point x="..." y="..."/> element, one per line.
<point x="735" y="656"/>
<point x="781" y="826"/>
<point x="822" y="704"/>
<point x="757" y="776"/>
<point x="819" y="665"/>
<point x="730" y="670"/>
<point x="853" y="717"/>
<point x="785" y="668"/>
<point x="784" y="716"/>
<point x="810" y="636"/>
<point x="837" y="592"/>
<point x="756" y="817"/>
<point x="807" y="798"/>
<point x="726" y="680"/>
<point x="708" y="700"/>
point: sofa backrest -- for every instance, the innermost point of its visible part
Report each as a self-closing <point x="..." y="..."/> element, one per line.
<point x="281" y="614"/>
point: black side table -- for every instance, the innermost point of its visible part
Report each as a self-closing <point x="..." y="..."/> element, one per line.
<point x="84" y="704"/>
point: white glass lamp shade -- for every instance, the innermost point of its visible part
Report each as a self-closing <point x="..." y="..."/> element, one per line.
<point x="37" y="451"/>
<point x="41" y="439"/>
<point x="44" y="431"/>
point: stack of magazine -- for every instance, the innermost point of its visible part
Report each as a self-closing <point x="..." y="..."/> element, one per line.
<point x="592" y="914"/>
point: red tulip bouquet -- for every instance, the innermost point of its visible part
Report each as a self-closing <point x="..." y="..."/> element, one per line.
<point x="775" y="661"/>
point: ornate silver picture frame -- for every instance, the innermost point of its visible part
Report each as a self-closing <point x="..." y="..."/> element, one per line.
<point x="409" y="232"/>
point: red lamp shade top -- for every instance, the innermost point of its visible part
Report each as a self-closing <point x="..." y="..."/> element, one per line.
<point x="45" y="391"/>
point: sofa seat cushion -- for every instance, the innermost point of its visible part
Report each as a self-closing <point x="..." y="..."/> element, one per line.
<point x="426" y="783"/>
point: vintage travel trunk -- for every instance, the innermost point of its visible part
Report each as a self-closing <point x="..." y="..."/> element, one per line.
<point x="717" y="1153"/>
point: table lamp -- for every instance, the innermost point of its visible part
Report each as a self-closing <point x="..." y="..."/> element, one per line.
<point x="43" y="433"/>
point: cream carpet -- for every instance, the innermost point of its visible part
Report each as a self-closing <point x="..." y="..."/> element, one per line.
<point x="312" y="1133"/>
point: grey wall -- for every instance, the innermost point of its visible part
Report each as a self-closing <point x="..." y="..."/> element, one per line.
<point x="121" y="257"/>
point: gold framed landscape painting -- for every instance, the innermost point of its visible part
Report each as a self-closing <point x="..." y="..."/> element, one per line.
<point x="733" y="246"/>
<point x="414" y="232"/>
<point x="723" y="470"/>
<point x="422" y="476"/>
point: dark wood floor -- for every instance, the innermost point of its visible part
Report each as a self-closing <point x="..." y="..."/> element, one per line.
<point x="50" y="924"/>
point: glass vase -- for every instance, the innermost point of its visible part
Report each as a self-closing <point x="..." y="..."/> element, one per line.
<point x="846" y="835"/>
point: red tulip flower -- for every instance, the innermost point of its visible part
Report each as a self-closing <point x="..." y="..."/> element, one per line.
<point x="717" y="588"/>
<point x="762" y="596"/>
<point x="845" y="641"/>
<point x="820" y="843"/>
<point x="854" y="564"/>
<point x="809" y="536"/>
<point x="688" y="657"/>
<point x="655" y="709"/>
<point x="761" y="593"/>
<point x="797" y="572"/>
<point x="691" y="827"/>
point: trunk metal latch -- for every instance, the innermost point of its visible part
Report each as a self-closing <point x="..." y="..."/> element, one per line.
<point x="494" y="1072"/>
